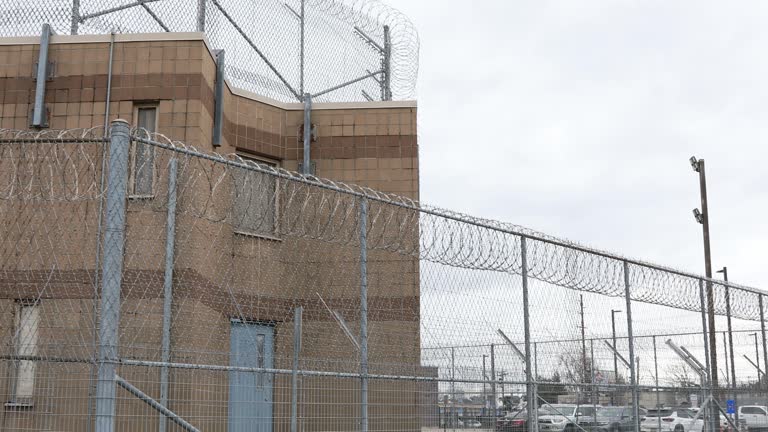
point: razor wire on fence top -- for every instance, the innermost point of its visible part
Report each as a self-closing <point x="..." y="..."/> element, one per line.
<point x="334" y="50"/>
<point x="251" y="294"/>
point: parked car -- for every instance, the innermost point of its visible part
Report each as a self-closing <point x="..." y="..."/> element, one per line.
<point x="469" y="423"/>
<point x="755" y="417"/>
<point x="515" y="421"/>
<point x="614" y="419"/>
<point x="564" y="418"/>
<point x="671" y="420"/>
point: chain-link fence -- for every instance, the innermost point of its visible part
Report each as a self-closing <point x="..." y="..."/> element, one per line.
<point x="147" y="286"/>
<point x="334" y="50"/>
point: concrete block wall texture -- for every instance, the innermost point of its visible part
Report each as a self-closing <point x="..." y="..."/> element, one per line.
<point x="219" y="274"/>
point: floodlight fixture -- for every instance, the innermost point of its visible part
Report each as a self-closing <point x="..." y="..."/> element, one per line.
<point x="694" y="163"/>
<point x="698" y="216"/>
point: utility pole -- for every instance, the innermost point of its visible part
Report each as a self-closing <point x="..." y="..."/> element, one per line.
<point x="702" y="217"/>
<point x="615" y="363"/>
<point x="583" y="342"/>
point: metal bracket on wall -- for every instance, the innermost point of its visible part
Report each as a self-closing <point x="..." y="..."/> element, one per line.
<point x="218" y="98"/>
<point x="39" y="112"/>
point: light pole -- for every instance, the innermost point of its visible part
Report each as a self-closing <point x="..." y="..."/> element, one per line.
<point x="757" y="358"/>
<point x="702" y="217"/>
<point x="615" y="363"/>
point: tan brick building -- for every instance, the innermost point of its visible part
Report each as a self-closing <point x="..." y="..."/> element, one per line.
<point x="227" y="274"/>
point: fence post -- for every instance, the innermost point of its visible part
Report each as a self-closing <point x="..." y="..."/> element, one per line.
<point x="170" y="238"/>
<point x="453" y="388"/>
<point x="114" y="242"/>
<point x="493" y="380"/>
<point x="363" y="313"/>
<point x="39" y="117"/>
<point x="656" y="378"/>
<point x="218" y="99"/>
<point x="306" y="168"/>
<point x="297" y="321"/>
<point x="301" y="48"/>
<point x="201" y="15"/>
<point x="631" y="341"/>
<point x="706" y="345"/>
<point x="762" y="332"/>
<point x="75" y="24"/>
<point x="595" y="392"/>
<point x="386" y="81"/>
<point x="730" y="342"/>
<point x="529" y="393"/>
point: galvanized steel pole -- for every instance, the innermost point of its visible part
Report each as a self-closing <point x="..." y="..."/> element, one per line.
<point x="218" y="100"/>
<point x="363" y="313"/>
<point x="762" y="331"/>
<point x="386" y="81"/>
<point x="656" y="378"/>
<point x="201" y="15"/>
<point x="306" y="169"/>
<point x="297" y="322"/>
<point x="529" y="393"/>
<point x="114" y="243"/>
<point x="301" y="49"/>
<point x="38" y="110"/>
<point x="493" y="380"/>
<point x="631" y="341"/>
<point x="724" y="271"/>
<point x="170" y="238"/>
<point x="75" y="23"/>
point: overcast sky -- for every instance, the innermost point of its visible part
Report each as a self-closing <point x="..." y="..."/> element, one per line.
<point x="578" y="119"/>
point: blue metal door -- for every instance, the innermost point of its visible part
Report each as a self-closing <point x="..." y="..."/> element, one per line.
<point x="250" y="393"/>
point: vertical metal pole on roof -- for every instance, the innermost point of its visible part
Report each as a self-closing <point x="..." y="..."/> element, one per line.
<point x="218" y="97"/>
<point x="706" y="345"/>
<point x="386" y="81"/>
<point x="75" y="24"/>
<point x="631" y="340"/>
<point x="306" y="169"/>
<point x="493" y="379"/>
<point x="201" y="15"/>
<point x="297" y="321"/>
<point x="363" y="314"/>
<point x="301" y="49"/>
<point x="529" y="393"/>
<point x="38" y="113"/>
<point x="656" y="378"/>
<point x="112" y="271"/>
<point x="170" y="239"/>
<point x="762" y="332"/>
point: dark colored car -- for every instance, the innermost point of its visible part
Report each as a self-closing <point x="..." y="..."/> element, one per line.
<point x="513" y="422"/>
<point x="614" y="419"/>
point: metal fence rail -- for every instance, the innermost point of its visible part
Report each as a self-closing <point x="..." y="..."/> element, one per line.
<point x="239" y="296"/>
<point x="334" y="50"/>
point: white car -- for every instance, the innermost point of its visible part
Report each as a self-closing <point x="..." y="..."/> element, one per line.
<point x="671" y="420"/>
<point x="564" y="418"/>
<point x="469" y="424"/>
<point x="754" y="416"/>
